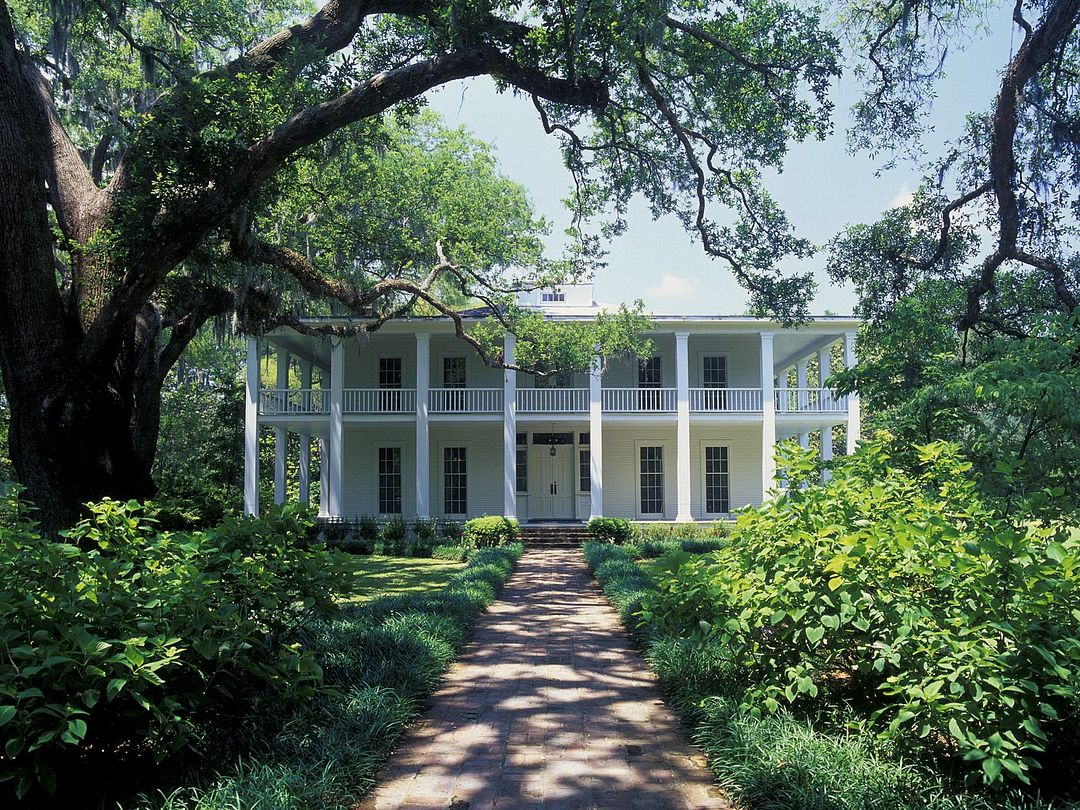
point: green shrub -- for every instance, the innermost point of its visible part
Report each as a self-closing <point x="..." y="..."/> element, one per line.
<point x="903" y="592"/>
<point x="453" y="553"/>
<point x="367" y="528"/>
<point x="610" y="530"/>
<point x="490" y="531"/>
<point x="452" y="533"/>
<point x="119" y="637"/>
<point x="395" y="536"/>
<point x="426" y="530"/>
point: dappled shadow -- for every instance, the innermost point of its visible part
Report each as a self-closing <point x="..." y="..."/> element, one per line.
<point x="549" y="707"/>
<point x="391" y="576"/>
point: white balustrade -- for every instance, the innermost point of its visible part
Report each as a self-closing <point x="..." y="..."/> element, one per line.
<point x="725" y="400"/>
<point x="639" y="400"/>
<point x="380" y="400"/>
<point x="276" y="401"/>
<point x="814" y="400"/>
<point x="465" y="400"/>
<point x="553" y="400"/>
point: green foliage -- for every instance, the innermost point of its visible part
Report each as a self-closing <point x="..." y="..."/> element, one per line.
<point x="119" y="635"/>
<point x="382" y="658"/>
<point x="902" y="592"/>
<point x="610" y="530"/>
<point x="394" y="535"/>
<point x="490" y="531"/>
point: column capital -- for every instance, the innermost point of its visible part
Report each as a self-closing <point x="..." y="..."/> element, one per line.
<point x="682" y="335"/>
<point x="423" y="337"/>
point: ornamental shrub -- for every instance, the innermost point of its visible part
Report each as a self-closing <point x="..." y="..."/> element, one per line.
<point x="394" y="536"/>
<point x="490" y="531"/>
<point x="610" y="530"/>
<point x="119" y="637"/>
<point x="904" y="592"/>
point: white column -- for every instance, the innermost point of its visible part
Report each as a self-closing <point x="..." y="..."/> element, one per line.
<point x="800" y="383"/>
<point x="824" y="370"/>
<point x="423" y="449"/>
<point x="509" y="429"/>
<point x="782" y="389"/>
<point x="324" y="455"/>
<point x="596" y="440"/>
<point x="305" y="439"/>
<point x="281" y="434"/>
<point x="251" y="430"/>
<point x="768" y="417"/>
<point x="853" y="428"/>
<point x="682" y="393"/>
<point x="335" y="483"/>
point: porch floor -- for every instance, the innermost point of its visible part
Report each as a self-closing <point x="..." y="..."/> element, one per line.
<point x="548" y="707"/>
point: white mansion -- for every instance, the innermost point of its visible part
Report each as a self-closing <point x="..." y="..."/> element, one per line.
<point x="412" y="423"/>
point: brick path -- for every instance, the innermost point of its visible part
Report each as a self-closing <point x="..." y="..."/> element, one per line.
<point x="548" y="707"/>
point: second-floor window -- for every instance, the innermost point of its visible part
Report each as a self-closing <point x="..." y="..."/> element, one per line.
<point x="453" y="372"/>
<point x="549" y="297"/>
<point x="389" y="372"/>
<point x="649" y="377"/>
<point x="714" y="378"/>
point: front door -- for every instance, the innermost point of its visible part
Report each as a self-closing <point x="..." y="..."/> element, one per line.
<point x="551" y="490"/>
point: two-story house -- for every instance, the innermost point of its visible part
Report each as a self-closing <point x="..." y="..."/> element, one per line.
<point x="412" y="423"/>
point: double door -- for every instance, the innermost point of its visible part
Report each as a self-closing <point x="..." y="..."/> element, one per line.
<point x="551" y="481"/>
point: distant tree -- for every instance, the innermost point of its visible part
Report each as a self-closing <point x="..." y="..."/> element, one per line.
<point x="142" y="143"/>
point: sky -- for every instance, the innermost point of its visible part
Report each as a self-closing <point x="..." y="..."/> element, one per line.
<point x="823" y="188"/>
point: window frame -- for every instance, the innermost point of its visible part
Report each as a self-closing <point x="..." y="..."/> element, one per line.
<point x="448" y="358"/>
<point x="584" y="459"/>
<point x="639" y="500"/>
<point x="465" y="479"/>
<point x="377" y="458"/>
<point x="706" y="444"/>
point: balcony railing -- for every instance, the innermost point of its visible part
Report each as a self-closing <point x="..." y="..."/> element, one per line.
<point x="276" y="401"/>
<point x="639" y="400"/>
<point x="553" y="400"/>
<point x="725" y="400"/>
<point x="465" y="400"/>
<point x="809" y="400"/>
<point x="379" y="400"/>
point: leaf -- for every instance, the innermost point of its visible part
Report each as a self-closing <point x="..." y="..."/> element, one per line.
<point x="6" y="713"/>
<point x="992" y="769"/>
<point x="814" y="634"/>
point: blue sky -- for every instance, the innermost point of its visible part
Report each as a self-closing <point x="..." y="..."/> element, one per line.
<point x="823" y="188"/>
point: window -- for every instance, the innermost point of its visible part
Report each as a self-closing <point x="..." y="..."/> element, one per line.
<point x="550" y="297"/>
<point x="453" y="372"/>
<point x="560" y="379"/>
<point x="652" y="480"/>
<point x="521" y="470"/>
<point x="583" y="438"/>
<point x="455" y="501"/>
<point x="390" y="384"/>
<point x="650" y="378"/>
<point x="584" y="474"/>
<point x="717" y="500"/>
<point x="553" y="438"/>
<point x="714" y="378"/>
<point x="389" y="480"/>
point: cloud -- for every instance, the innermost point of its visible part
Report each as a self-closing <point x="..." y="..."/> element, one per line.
<point x="669" y="286"/>
<point x="905" y="196"/>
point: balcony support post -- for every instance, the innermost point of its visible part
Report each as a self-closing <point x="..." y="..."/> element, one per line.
<point x="324" y="449"/>
<point x="336" y="451"/>
<point x="768" y="417"/>
<point x="804" y="403"/>
<point x="251" y="430"/>
<point x="682" y="393"/>
<point x="853" y="426"/>
<point x="596" y="440"/>
<point x="509" y="429"/>
<point x="304" y="464"/>
<point x="423" y="448"/>
<point x="281" y="434"/>
<point x="824" y="370"/>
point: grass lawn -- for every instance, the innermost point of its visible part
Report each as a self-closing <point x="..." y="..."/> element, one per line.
<point x="391" y="576"/>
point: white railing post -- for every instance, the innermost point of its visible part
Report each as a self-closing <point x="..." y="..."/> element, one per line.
<point x="324" y="448"/>
<point x="768" y="417"/>
<point x="782" y="396"/>
<point x="336" y="476"/>
<point x="682" y="433"/>
<point x="596" y="440"/>
<point x="251" y="430"/>
<point x="853" y="426"/>
<point x="281" y="435"/>
<point x="423" y="449"/>
<point x="824" y="370"/>
<point x="306" y="406"/>
<point x="509" y="429"/>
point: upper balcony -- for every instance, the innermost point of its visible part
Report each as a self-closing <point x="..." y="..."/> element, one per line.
<point x="548" y="401"/>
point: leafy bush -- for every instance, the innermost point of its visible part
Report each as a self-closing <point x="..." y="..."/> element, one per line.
<point x="452" y="553"/>
<point x="452" y="533"/>
<point x="490" y="531"/>
<point x="426" y="530"/>
<point x="610" y="530"/>
<point x="382" y="659"/>
<point x="120" y="637"/>
<point x="366" y="528"/>
<point x="906" y="593"/>
<point x="394" y="536"/>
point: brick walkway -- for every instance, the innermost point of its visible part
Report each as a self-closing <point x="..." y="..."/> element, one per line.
<point x="549" y="707"/>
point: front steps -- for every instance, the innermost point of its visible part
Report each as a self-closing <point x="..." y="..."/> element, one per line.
<point x="553" y="535"/>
